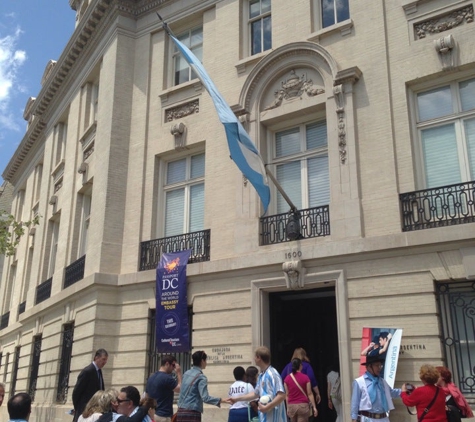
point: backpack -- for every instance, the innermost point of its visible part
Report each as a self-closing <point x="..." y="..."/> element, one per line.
<point x="336" y="389"/>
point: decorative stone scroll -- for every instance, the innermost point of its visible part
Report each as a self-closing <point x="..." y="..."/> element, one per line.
<point x="182" y="110"/>
<point x="445" y="47"/>
<point x="294" y="87"/>
<point x="444" y="22"/>
<point x="340" y="111"/>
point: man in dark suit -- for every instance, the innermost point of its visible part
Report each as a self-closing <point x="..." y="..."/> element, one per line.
<point x="89" y="381"/>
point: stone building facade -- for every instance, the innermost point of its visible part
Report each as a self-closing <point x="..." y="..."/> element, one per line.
<point x="365" y="116"/>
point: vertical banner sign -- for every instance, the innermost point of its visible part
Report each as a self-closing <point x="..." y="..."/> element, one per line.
<point x="172" y="331"/>
<point x="384" y="343"/>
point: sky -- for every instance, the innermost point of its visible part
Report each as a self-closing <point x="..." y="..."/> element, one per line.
<point x="32" y="32"/>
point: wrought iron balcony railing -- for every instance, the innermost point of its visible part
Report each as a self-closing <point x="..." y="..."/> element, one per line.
<point x="21" y="307"/>
<point x="74" y="272"/>
<point x="43" y="291"/>
<point x="4" y="321"/>
<point x="438" y="207"/>
<point x="198" y="242"/>
<point x="313" y="222"/>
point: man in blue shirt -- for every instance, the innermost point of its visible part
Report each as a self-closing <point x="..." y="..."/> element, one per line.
<point x="371" y="400"/>
<point x="162" y="385"/>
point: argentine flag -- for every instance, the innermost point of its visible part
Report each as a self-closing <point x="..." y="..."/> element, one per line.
<point x="243" y="151"/>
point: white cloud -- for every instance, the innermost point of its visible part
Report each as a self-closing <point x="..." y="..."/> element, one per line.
<point x="11" y="59"/>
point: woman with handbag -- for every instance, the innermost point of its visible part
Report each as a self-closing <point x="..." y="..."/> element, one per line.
<point x="454" y="399"/>
<point x="194" y="391"/>
<point x="429" y="399"/>
<point x="299" y="396"/>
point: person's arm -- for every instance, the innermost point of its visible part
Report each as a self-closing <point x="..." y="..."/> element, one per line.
<point x="367" y="349"/>
<point x="312" y="399"/>
<point x="329" y="389"/>
<point x="246" y="397"/>
<point x="179" y="377"/>
<point x="386" y="344"/>
<point x="409" y="399"/>
<point x="355" y="401"/>
<point x="79" y="388"/>
<point x="287" y="398"/>
<point x="309" y="372"/>
<point x="279" y="398"/>
<point x="203" y="390"/>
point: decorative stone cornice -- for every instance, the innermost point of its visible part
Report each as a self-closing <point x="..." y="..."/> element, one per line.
<point x="351" y="75"/>
<point x="55" y="80"/>
<point x="444" y="22"/>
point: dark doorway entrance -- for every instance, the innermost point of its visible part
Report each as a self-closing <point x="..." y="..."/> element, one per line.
<point x="306" y="319"/>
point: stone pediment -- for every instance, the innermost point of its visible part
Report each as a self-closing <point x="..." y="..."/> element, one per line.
<point x="48" y="70"/>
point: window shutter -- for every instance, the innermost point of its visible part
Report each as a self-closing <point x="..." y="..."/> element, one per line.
<point x="317" y="135"/>
<point x="467" y="94"/>
<point x="318" y="181"/>
<point x="470" y="135"/>
<point x="441" y="160"/>
<point x="289" y="177"/>
<point x="197" y="207"/>
<point x="287" y="142"/>
<point x="174" y="212"/>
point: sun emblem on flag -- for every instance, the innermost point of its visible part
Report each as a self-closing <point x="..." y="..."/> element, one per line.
<point x="172" y="265"/>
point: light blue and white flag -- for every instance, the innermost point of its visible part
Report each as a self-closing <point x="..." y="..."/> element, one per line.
<point x="243" y="151"/>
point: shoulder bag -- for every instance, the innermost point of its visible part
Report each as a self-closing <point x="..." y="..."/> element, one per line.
<point x="310" y="407"/>
<point x="430" y="405"/>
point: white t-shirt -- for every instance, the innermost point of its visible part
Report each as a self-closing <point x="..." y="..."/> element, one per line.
<point x="239" y="388"/>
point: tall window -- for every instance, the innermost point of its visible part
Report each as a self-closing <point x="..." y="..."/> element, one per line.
<point x="193" y="39"/>
<point x="334" y="11"/>
<point x="65" y="362"/>
<point x="446" y="127"/>
<point x="260" y="25"/>
<point x="85" y="217"/>
<point x="35" y="365"/>
<point x="59" y="139"/>
<point x="54" y="230"/>
<point x="16" y="361"/>
<point x="184" y="195"/>
<point x="301" y="166"/>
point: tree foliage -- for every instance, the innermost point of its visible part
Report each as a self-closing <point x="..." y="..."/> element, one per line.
<point x="11" y="232"/>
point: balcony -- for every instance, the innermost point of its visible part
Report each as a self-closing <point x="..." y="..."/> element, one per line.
<point x="152" y="250"/>
<point x="313" y="222"/>
<point x="438" y="207"/>
<point x="74" y="272"/>
<point x="43" y="291"/>
<point x="4" y="320"/>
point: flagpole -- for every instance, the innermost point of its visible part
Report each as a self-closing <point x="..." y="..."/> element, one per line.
<point x="293" y="208"/>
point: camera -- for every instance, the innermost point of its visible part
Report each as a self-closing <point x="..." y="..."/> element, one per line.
<point x="409" y="388"/>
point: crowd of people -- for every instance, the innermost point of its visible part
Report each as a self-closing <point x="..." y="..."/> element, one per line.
<point x="259" y="393"/>
<point x="437" y="400"/>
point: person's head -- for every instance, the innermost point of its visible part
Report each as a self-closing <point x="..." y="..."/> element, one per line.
<point x="301" y="354"/>
<point x="251" y="375"/>
<point x="429" y="374"/>
<point x="92" y="405"/>
<point x="100" y="358"/>
<point x="445" y="375"/>
<point x="374" y="365"/>
<point x="2" y="392"/>
<point x="296" y="365"/>
<point x="128" y="400"/>
<point x="239" y="373"/>
<point x="168" y="363"/>
<point x="19" y="406"/>
<point x="108" y="400"/>
<point x="199" y="359"/>
<point x="383" y="338"/>
<point x="262" y="357"/>
<point x="375" y="342"/>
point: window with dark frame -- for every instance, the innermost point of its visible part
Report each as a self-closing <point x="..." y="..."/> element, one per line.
<point x="35" y="365"/>
<point x="67" y="337"/>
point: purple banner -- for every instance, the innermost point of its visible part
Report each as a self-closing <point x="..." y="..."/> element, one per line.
<point x="172" y="331"/>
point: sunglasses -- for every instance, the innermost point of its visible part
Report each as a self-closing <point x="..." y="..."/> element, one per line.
<point x="122" y="401"/>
